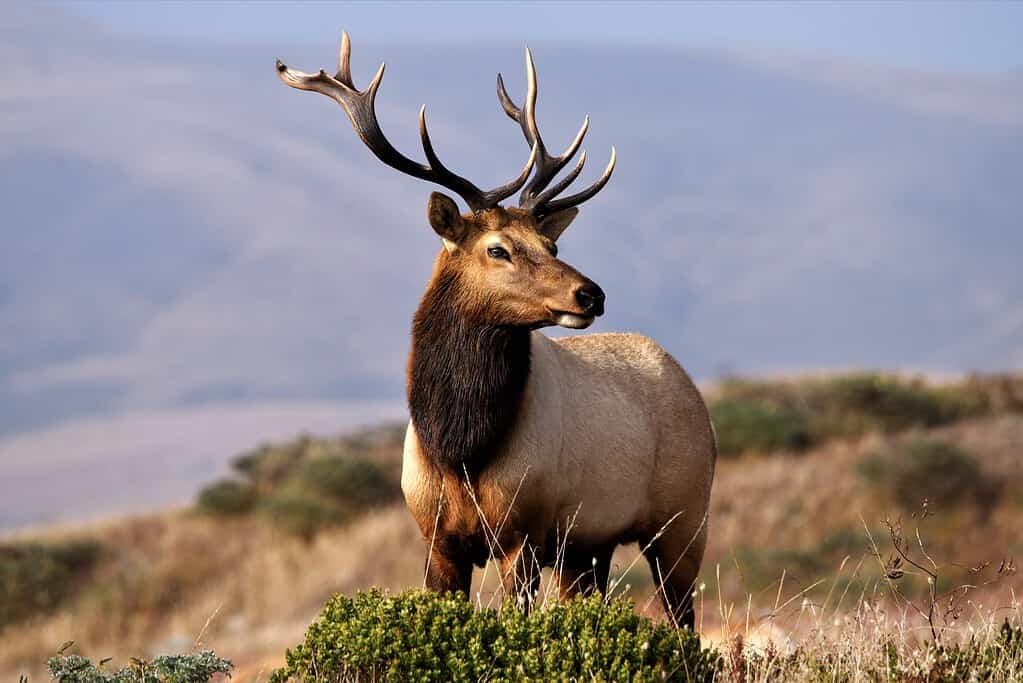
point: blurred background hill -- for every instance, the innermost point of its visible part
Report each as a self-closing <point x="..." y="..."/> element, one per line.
<point x="195" y="253"/>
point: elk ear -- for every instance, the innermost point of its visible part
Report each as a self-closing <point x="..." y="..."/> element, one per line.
<point x="552" y="226"/>
<point x="445" y="219"/>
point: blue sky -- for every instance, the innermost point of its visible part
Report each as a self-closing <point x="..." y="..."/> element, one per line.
<point x="960" y="36"/>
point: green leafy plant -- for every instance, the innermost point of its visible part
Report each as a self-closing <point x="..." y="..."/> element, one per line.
<point x="422" y="636"/>
<point x="197" y="667"/>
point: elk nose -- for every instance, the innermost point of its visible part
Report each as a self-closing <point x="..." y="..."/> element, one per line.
<point x="591" y="299"/>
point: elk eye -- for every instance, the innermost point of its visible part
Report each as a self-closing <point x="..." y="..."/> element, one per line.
<point x="498" y="252"/>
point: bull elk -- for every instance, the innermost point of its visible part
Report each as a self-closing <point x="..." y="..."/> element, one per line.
<point x="515" y="437"/>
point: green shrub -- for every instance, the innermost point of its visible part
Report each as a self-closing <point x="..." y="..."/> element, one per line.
<point x="917" y="468"/>
<point x="758" y="415"/>
<point x="307" y="484"/>
<point x="854" y="404"/>
<point x="421" y="636"/>
<point x="228" y="497"/>
<point x="995" y="661"/>
<point x="37" y="577"/>
<point x="267" y="466"/>
<point x="300" y="515"/>
<point x="742" y="424"/>
<point x="198" y="667"/>
<point x="355" y="484"/>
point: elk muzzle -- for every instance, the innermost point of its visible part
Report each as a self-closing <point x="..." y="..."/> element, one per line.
<point x="590" y="298"/>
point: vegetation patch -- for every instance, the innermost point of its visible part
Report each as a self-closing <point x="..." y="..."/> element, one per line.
<point x="36" y="577"/>
<point x="421" y="636"/>
<point x="742" y="424"/>
<point x="308" y="484"/>
<point x="996" y="656"/>
<point x="228" y="497"/>
<point x="918" y="469"/>
<point x="766" y="415"/>
<point x="198" y="667"/>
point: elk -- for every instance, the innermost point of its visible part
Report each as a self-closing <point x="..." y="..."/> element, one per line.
<point x="531" y="450"/>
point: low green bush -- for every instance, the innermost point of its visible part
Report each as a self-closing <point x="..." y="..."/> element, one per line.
<point x="354" y="484"/>
<point x="998" y="660"/>
<point x="197" y="667"/>
<point x="308" y="484"/>
<point x="743" y="424"/>
<point x="227" y="497"/>
<point x="300" y="515"/>
<point x="916" y="468"/>
<point x="854" y="404"/>
<point x="793" y="415"/>
<point x="269" y="465"/>
<point x="37" y="577"/>
<point x="422" y="636"/>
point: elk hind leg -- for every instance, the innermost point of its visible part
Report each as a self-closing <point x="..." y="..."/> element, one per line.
<point x="675" y="561"/>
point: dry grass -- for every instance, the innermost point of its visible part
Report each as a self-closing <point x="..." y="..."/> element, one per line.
<point x="249" y="592"/>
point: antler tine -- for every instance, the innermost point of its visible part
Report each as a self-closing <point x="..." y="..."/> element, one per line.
<point x="534" y="197"/>
<point x="499" y="194"/>
<point x="448" y="179"/>
<point x="443" y="176"/>
<point x="558" y="187"/>
<point x="361" y="109"/>
<point x="552" y="207"/>
<point x="344" y="58"/>
<point x="548" y="166"/>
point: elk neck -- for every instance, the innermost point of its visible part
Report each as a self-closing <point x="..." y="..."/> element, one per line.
<point x="466" y="377"/>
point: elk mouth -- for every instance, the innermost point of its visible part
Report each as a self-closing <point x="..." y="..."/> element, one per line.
<point x="574" y="321"/>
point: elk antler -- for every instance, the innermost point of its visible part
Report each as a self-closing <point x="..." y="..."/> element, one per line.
<point x="360" y="107"/>
<point x="534" y="198"/>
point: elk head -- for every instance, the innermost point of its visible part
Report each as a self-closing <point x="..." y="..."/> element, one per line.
<point x="503" y="259"/>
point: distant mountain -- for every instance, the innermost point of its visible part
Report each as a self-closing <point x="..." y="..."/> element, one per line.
<point x="180" y="230"/>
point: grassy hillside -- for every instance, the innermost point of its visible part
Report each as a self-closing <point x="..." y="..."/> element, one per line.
<point x="843" y="508"/>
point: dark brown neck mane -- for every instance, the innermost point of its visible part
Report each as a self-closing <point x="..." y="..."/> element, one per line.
<point x="466" y="378"/>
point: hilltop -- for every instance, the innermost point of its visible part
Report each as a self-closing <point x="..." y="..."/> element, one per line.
<point x="809" y="470"/>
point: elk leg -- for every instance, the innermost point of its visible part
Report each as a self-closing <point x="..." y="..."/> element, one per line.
<point x="675" y="560"/>
<point x="520" y="573"/>
<point x="587" y="572"/>
<point x="448" y="567"/>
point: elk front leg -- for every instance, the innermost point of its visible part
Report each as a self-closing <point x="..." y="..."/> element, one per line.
<point x="520" y="573"/>
<point x="448" y="566"/>
<point x="576" y="578"/>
